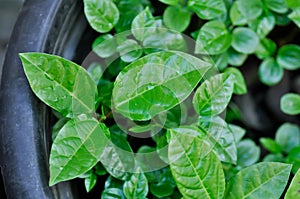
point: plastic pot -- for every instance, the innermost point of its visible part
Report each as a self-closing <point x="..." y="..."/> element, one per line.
<point x="51" y="26"/>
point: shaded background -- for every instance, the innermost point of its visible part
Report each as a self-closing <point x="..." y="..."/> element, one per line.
<point x="9" y="10"/>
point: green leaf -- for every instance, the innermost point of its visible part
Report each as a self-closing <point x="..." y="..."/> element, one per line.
<point x="156" y="83"/>
<point x="78" y="142"/>
<point x="59" y="83"/>
<point x="244" y="40"/>
<point x="263" y="25"/>
<point x="269" y="72"/>
<point x="220" y="138"/>
<point x="221" y="61"/>
<point x="250" y="9"/>
<point x="235" y="58"/>
<point x="292" y="3"/>
<point x="247" y="153"/>
<point x="294" y="158"/>
<point x="263" y="180"/>
<point x="105" y="46"/>
<point x="295" y="16"/>
<point x="112" y="193"/>
<point x="102" y="15"/>
<point x="95" y="71"/>
<point x="265" y="49"/>
<point x="270" y="145"/>
<point x="289" y="57"/>
<point x="100" y="170"/>
<point x="290" y="104"/>
<point x="238" y="132"/>
<point x="278" y="157"/>
<point x="141" y="24"/>
<point x="278" y="6"/>
<point x="288" y="136"/>
<point x="130" y="50"/>
<point x="141" y="129"/>
<point x="207" y="9"/>
<point x="213" y="38"/>
<point x="213" y="95"/>
<point x="282" y="19"/>
<point x="164" y="186"/>
<point x="90" y="181"/>
<point x="294" y="188"/>
<point x="236" y="16"/>
<point x="196" y="170"/>
<point x="240" y="86"/>
<point x="170" y="2"/>
<point x="137" y="186"/>
<point x="177" y="18"/>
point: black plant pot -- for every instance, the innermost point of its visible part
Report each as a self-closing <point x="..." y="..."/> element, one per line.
<point x="51" y="26"/>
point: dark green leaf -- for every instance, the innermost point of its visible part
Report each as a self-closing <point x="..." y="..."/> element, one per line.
<point x="248" y="153"/>
<point x="250" y="9"/>
<point x="176" y="18"/>
<point x="244" y="40"/>
<point x="240" y="86"/>
<point x="102" y="15"/>
<point x="100" y="170"/>
<point x="282" y="19"/>
<point x="213" y="38"/>
<point x="112" y="193"/>
<point x="290" y="104"/>
<point x="294" y="188"/>
<point x="278" y="6"/>
<point x="265" y="49"/>
<point x="77" y="142"/>
<point x="90" y="181"/>
<point x="105" y="46"/>
<point x="235" y="58"/>
<point x="59" y="83"/>
<point x="269" y="72"/>
<point x="263" y="180"/>
<point x="289" y="57"/>
<point x="165" y="185"/>
<point x="270" y="145"/>
<point x="288" y="136"/>
<point x="156" y="83"/>
<point x="207" y="9"/>
<point x="295" y="16"/>
<point x="213" y="95"/>
<point x="130" y="50"/>
<point x="196" y="170"/>
<point x="137" y="186"/>
<point x="236" y="16"/>
<point x="294" y="158"/>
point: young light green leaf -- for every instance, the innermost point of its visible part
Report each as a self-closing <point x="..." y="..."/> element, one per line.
<point x="235" y="58"/>
<point x="250" y="9"/>
<point x="196" y="175"/>
<point x="102" y="15"/>
<point x="238" y="132"/>
<point x="270" y="145"/>
<point x="90" y="181"/>
<point x="59" y="83"/>
<point x="207" y="9"/>
<point x="263" y="180"/>
<point x="176" y="18"/>
<point x="247" y="153"/>
<point x="156" y="83"/>
<point x="292" y="3"/>
<point x="269" y="72"/>
<point x="236" y="16"/>
<point x="240" y="86"/>
<point x="263" y="25"/>
<point x="265" y="49"/>
<point x="290" y="104"/>
<point x="213" y="38"/>
<point x="294" y="188"/>
<point x="105" y="46"/>
<point x="295" y="16"/>
<point x="244" y="40"/>
<point x="137" y="186"/>
<point x="278" y="6"/>
<point x="77" y="142"/>
<point x="213" y="95"/>
<point x="170" y="2"/>
<point x="130" y="50"/>
<point x="288" y="136"/>
<point x="288" y="57"/>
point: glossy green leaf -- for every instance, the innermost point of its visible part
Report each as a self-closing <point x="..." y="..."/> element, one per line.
<point x="235" y="58"/>
<point x="263" y="25"/>
<point x="278" y="6"/>
<point x="250" y="9"/>
<point x="90" y="181"/>
<point x="165" y="185"/>
<point x="156" y="83"/>
<point x="295" y="16"/>
<point x="238" y="132"/>
<point x="141" y="129"/>
<point x="170" y="2"/>
<point x="207" y="9"/>
<point x="141" y="24"/>
<point x="105" y="46"/>
<point x="112" y="193"/>
<point x="213" y="95"/>
<point x="247" y="153"/>
<point x="137" y="186"/>
<point x="289" y="57"/>
<point x="130" y="50"/>
<point x="213" y="38"/>
<point x="263" y="180"/>
<point x="59" y="83"/>
<point x="76" y="149"/>
<point x="236" y="16"/>
<point x="269" y="72"/>
<point x="102" y="15"/>
<point x="288" y="136"/>
<point x="240" y="86"/>
<point x="100" y="170"/>
<point x="290" y="104"/>
<point x="176" y="18"/>
<point x="270" y="145"/>
<point x="294" y="188"/>
<point x="221" y="61"/>
<point x="292" y="3"/>
<point x="196" y="170"/>
<point x="294" y="158"/>
<point x="265" y="49"/>
<point x="244" y="40"/>
<point x="282" y="19"/>
<point x="220" y="138"/>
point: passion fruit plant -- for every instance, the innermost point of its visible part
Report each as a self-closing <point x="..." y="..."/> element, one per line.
<point x="150" y="81"/>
